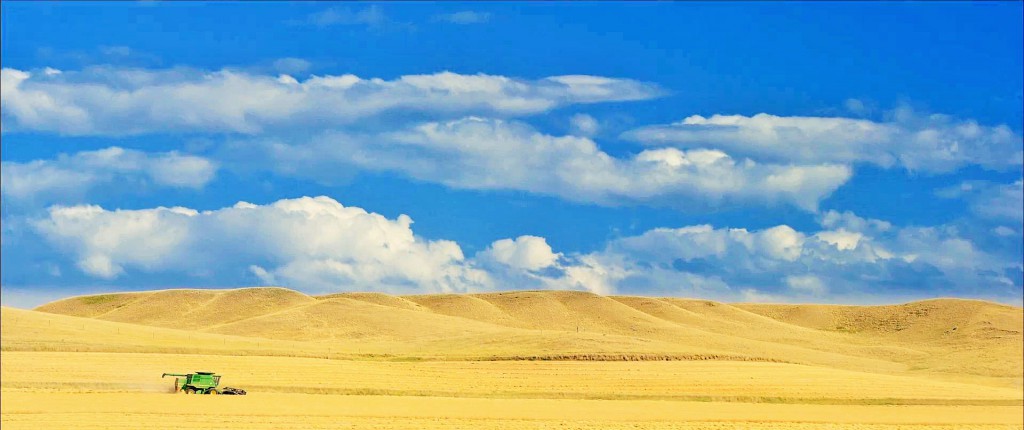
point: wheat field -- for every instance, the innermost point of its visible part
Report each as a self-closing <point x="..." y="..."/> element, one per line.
<point x="523" y="359"/>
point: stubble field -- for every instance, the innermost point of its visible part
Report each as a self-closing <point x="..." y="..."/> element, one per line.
<point x="509" y="361"/>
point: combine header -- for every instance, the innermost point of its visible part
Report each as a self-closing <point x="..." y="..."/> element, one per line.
<point x="200" y="383"/>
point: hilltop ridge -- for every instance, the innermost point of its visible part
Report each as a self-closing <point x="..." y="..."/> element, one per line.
<point x="942" y="335"/>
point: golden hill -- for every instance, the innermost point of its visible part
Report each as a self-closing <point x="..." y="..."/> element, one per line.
<point x="956" y="338"/>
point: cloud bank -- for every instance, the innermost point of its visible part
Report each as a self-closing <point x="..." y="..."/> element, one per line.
<point x="319" y="245"/>
<point x="115" y="102"/>
<point x="849" y="260"/>
<point x="72" y="177"/>
<point x="480" y="153"/>
<point x="459" y="130"/>
<point x="313" y="243"/>
<point x="468" y="132"/>
<point x="931" y="143"/>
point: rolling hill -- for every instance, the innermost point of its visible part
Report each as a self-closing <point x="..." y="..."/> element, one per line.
<point x="957" y="338"/>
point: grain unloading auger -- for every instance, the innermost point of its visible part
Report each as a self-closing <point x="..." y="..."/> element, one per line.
<point x="201" y="383"/>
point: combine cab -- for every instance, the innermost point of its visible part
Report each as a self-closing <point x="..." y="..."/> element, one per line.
<point x="200" y="383"/>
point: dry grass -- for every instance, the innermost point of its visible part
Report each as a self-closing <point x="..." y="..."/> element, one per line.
<point x="510" y="360"/>
<point x="952" y="337"/>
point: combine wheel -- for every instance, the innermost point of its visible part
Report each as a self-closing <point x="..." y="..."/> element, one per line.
<point x="189" y="390"/>
<point x="212" y="391"/>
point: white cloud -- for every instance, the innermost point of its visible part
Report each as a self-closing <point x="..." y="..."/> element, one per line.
<point x="528" y="262"/>
<point x="781" y="264"/>
<point x="33" y="107"/>
<point x="990" y="200"/>
<point x="764" y="248"/>
<point x="847" y="220"/>
<point x="843" y="240"/>
<point x="525" y="252"/>
<point x="476" y="153"/>
<point x="68" y="177"/>
<point x="590" y="274"/>
<point x="184" y="171"/>
<point x="100" y="266"/>
<point x="464" y="17"/>
<point x="112" y="101"/>
<point x="782" y="242"/>
<point x="104" y="242"/>
<point x="584" y="125"/>
<point x="319" y="245"/>
<point x="315" y="244"/>
<point x="931" y="143"/>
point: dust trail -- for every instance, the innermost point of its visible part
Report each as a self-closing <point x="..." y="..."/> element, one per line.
<point x="151" y="387"/>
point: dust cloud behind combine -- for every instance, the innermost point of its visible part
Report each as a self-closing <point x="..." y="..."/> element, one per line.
<point x="520" y="359"/>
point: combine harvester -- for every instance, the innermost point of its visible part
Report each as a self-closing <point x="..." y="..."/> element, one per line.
<point x="201" y="383"/>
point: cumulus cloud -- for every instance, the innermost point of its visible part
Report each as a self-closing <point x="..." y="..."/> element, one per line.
<point x="103" y="242"/>
<point x="113" y="101"/>
<point x="319" y="245"/>
<point x="69" y="177"/>
<point x="930" y="143"/>
<point x="589" y="273"/>
<point x="525" y="252"/>
<point x="477" y="153"/>
<point x="841" y="239"/>
<point x="315" y="244"/>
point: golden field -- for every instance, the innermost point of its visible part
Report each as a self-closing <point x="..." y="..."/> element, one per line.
<point x="551" y="359"/>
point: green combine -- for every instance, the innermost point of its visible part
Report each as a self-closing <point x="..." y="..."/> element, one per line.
<point x="200" y="383"/>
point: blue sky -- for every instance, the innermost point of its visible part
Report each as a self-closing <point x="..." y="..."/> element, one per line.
<point x="789" y="152"/>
